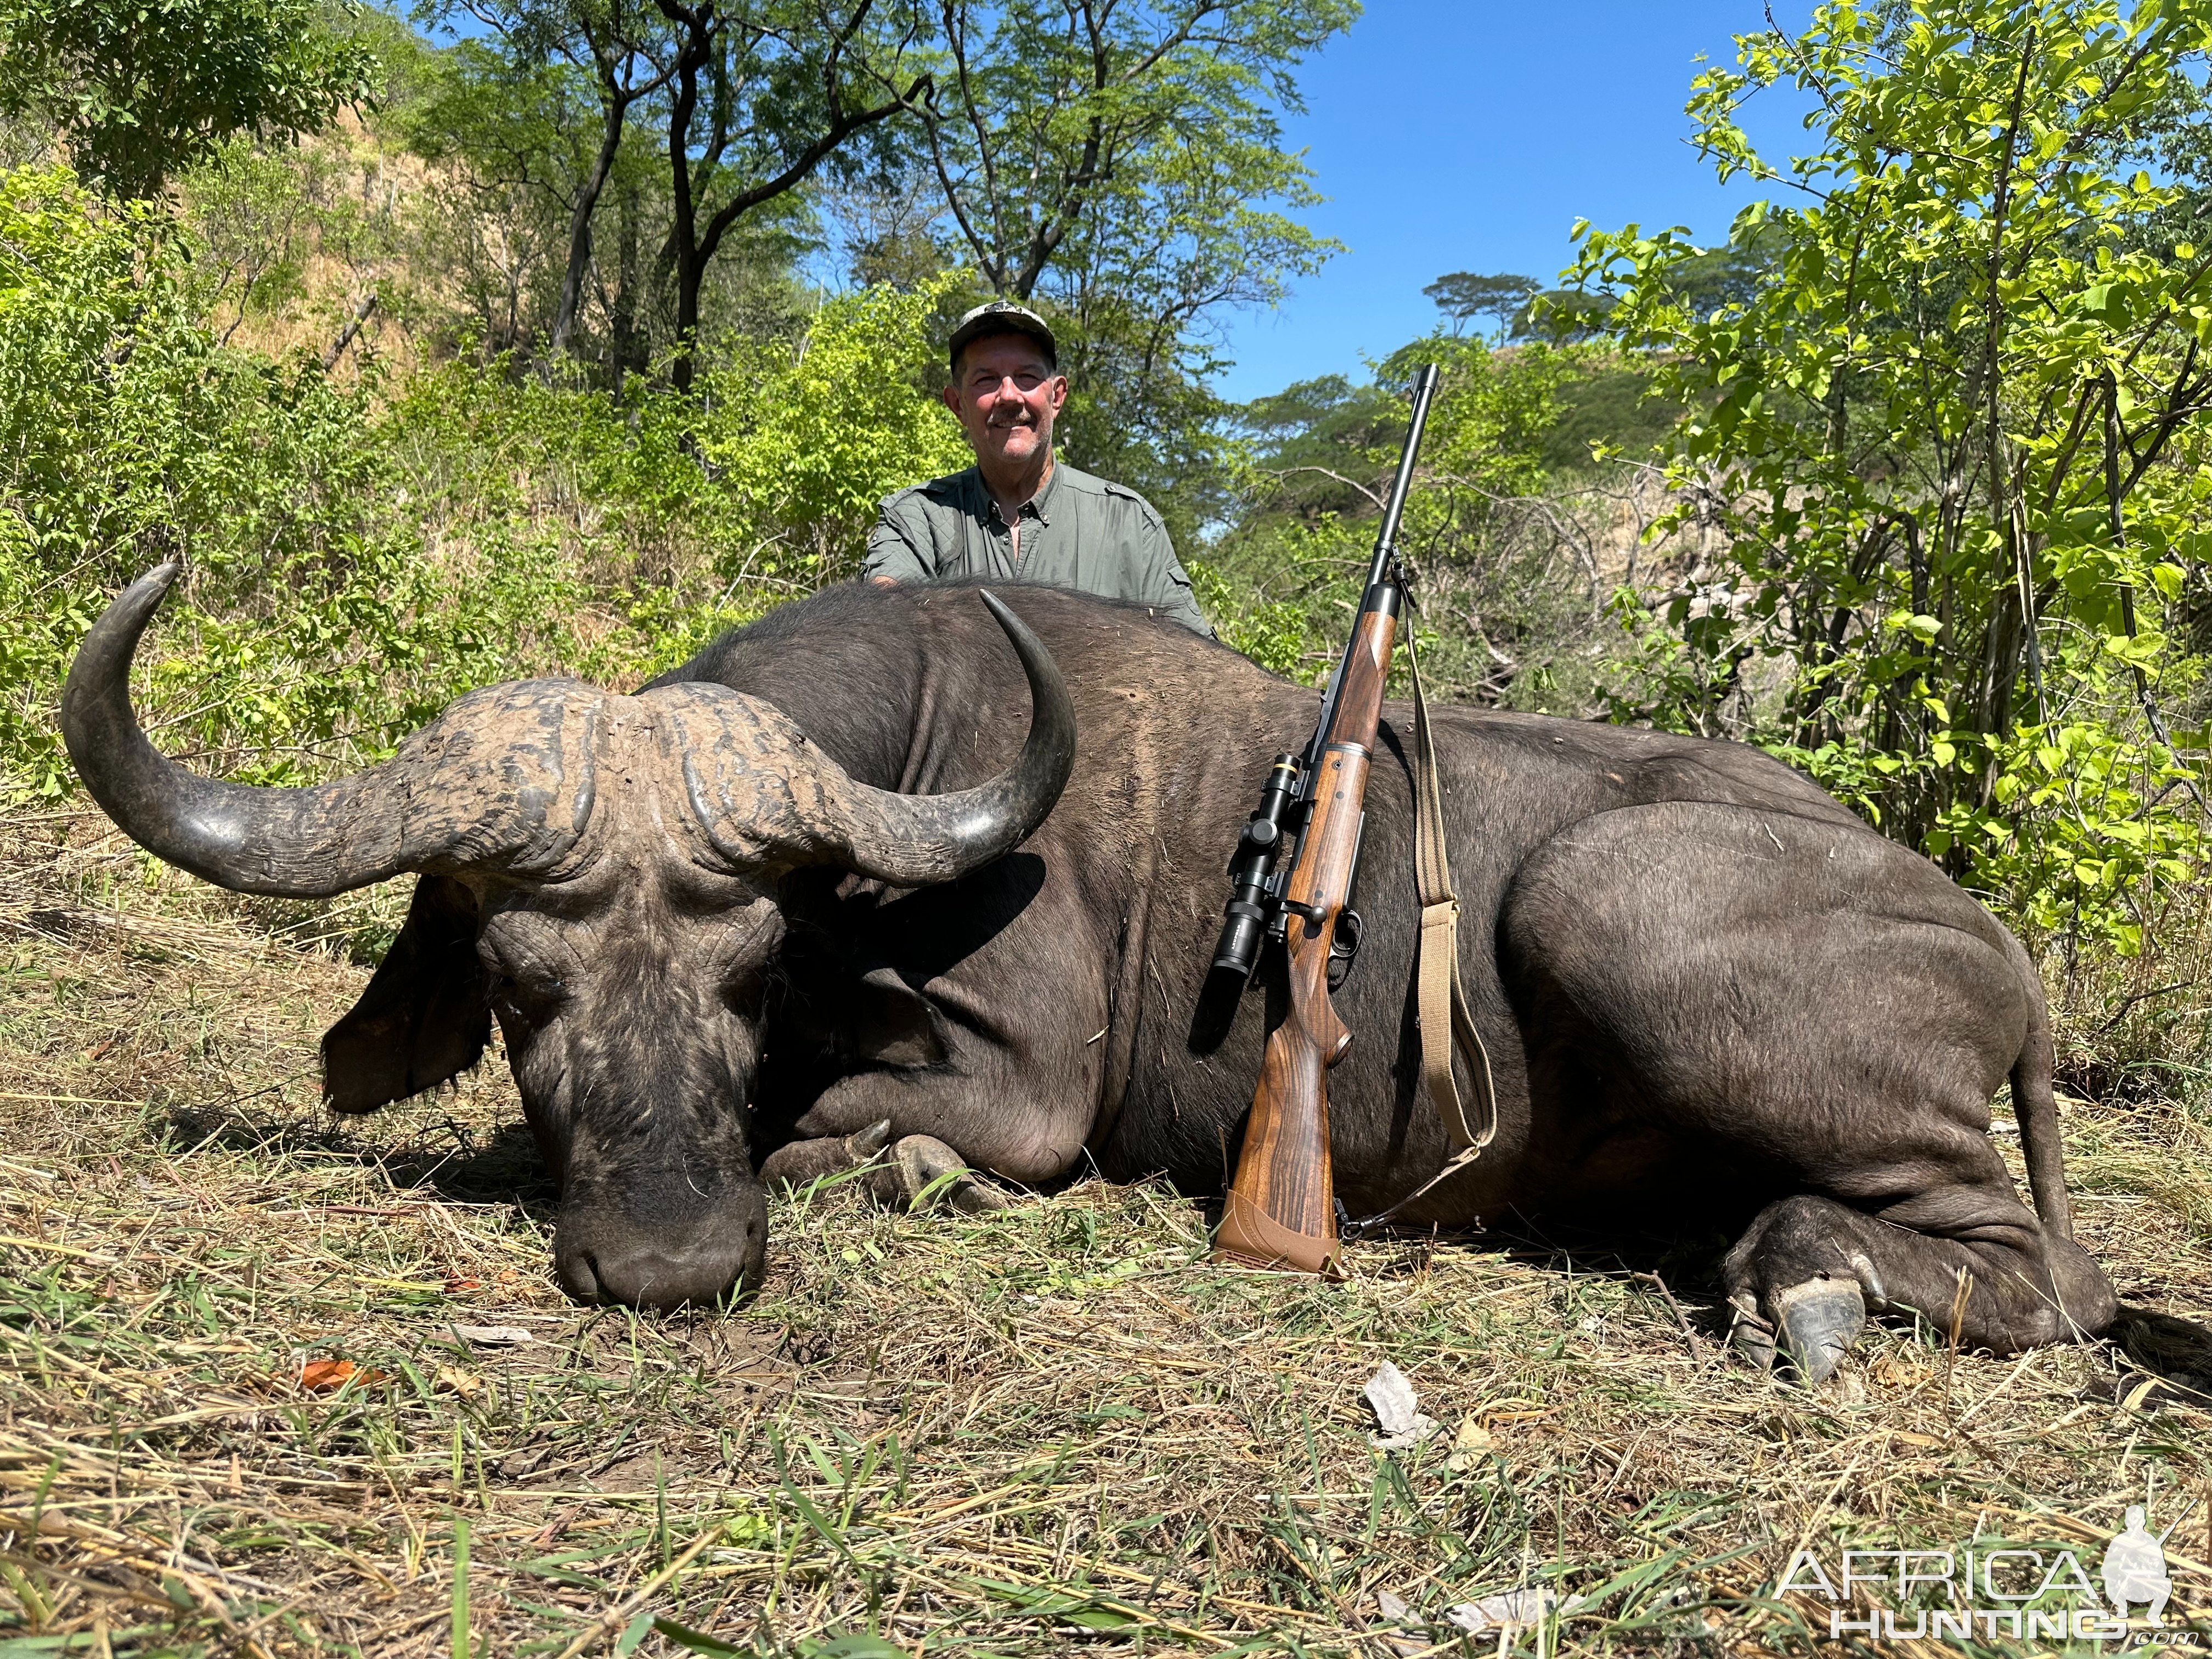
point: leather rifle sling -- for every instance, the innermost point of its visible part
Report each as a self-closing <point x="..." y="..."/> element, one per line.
<point x="1440" y="1003"/>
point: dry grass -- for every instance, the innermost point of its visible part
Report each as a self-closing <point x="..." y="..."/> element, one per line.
<point x="1053" y="1428"/>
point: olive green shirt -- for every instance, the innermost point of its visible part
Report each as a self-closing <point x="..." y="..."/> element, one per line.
<point x="1077" y="531"/>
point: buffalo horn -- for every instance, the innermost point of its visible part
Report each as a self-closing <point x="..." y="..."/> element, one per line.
<point x="764" y="795"/>
<point x="484" y="781"/>
<point x="911" y="840"/>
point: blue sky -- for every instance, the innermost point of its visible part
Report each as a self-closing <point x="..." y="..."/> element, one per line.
<point x="1469" y="135"/>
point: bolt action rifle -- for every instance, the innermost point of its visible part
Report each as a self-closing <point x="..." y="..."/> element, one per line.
<point x="1282" y="1204"/>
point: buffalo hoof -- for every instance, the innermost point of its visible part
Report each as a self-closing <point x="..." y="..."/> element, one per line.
<point x="1820" y="1319"/>
<point x="1750" y="1333"/>
<point x="863" y="1145"/>
<point x="1869" y="1278"/>
<point x="924" y="1171"/>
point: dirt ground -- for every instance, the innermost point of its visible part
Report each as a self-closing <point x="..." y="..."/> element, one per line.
<point x="275" y="1383"/>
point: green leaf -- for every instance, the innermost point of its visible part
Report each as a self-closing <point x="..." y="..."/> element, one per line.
<point x="694" y="1641"/>
<point x="858" y="1645"/>
<point x="1100" y="1619"/>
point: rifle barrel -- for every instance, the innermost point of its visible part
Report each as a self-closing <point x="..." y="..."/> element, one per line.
<point x="1386" y="542"/>
<point x="1380" y="591"/>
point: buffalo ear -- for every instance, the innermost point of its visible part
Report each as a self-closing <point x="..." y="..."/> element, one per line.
<point x="424" y="1018"/>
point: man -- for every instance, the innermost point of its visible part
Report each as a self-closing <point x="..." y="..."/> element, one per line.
<point x="1019" y="511"/>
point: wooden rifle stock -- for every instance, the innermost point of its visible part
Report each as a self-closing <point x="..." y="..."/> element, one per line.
<point x="1282" y="1204"/>
<point x="1281" y="1211"/>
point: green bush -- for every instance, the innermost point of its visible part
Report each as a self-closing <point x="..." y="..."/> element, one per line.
<point x="1947" y="428"/>
<point x="128" y="436"/>
<point x="809" y="437"/>
<point x="674" y="515"/>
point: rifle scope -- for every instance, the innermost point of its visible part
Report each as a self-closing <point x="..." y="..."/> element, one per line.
<point x="1244" y="927"/>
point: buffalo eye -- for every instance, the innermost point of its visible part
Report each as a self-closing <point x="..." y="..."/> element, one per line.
<point x="744" y="983"/>
<point x="526" y="988"/>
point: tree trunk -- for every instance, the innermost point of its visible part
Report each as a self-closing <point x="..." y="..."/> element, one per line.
<point x="695" y="50"/>
<point x="338" y="348"/>
<point x="2000" y="654"/>
<point x="703" y="35"/>
<point x="624" y="351"/>
<point x="690" y="272"/>
<point x="579" y="225"/>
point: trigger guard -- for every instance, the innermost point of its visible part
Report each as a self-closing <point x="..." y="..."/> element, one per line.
<point x="1344" y="948"/>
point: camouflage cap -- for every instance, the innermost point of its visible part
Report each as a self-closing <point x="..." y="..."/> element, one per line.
<point x="1001" y="317"/>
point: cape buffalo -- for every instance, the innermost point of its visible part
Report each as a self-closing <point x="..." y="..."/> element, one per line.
<point x="832" y="875"/>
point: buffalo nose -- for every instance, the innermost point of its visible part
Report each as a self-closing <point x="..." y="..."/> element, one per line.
<point x="607" y="1255"/>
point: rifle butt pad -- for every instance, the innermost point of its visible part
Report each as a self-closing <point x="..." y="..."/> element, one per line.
<point x="1249" y="1238"/>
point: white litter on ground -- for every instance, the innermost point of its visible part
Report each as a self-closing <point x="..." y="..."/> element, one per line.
<point x="1396" y="1410"/>
<point x="1508" y="1607"/>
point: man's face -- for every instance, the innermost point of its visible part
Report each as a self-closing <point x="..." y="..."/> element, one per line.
<point x="1006" y="397"/>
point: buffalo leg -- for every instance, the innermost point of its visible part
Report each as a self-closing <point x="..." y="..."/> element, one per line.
<point x="802" y="1161"/>
<point x="1821" y="1018"/>
<point x="968" y="1013"/>
<point x="1804" y="1277"/>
